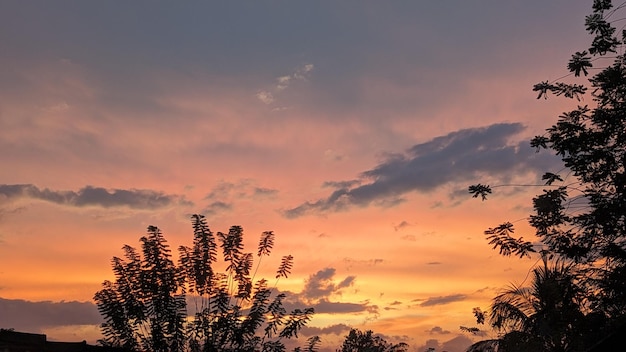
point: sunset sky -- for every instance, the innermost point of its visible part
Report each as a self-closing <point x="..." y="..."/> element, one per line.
<point x="350" y="128"/>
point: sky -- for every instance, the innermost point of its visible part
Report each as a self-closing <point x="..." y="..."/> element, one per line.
<point x="351" y="129"/>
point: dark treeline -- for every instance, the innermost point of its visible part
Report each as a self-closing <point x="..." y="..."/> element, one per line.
<point x="576" y="300"/>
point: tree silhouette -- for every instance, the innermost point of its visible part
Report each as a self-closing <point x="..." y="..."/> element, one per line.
<point x="546" y="316"/>
<point x="145" y="308"/>
<point x="358" y="341"/>
<point x="581" y="215"/>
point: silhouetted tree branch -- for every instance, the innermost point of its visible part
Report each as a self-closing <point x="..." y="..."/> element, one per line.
<point x="145" y="308"/>
<point x="580" y="218"/>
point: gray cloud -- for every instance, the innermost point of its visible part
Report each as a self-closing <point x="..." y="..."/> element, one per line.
<point x="361" y="262"/>
<point x="437" y="330"/>
<point x="347" y="282"/>
<point x="435" y="301"/>
<point x="321" y="284"/>
<point x="30" y="316"/>
<point x="335" y="329"/>
<point x="260" y="191"/>
<point x="484" y="289"/>
<point x="318" y="289"/>
<point x="456" y="157"/>
<point x="94" y="196"/>
<point x="224" y="194"/>
<point x="340" y="184"/>
<point x="325" y="306"/>
<point x="23" y="315"/>
<point x="401" y="225"/>
<point x="392" y="305"/>
<point x="216" y="207"/>
<point x="460" y="343"/>
<point x="223" y="190"/>
<point x="411" y="238"/>
<point x="312" y="28"/>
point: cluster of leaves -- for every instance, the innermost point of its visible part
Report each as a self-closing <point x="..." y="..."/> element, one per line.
<point x="359" y="341"/>
<point x="585" y="219"/>
<point x="146" y="308"/>
<point x="579" y="218"/>
<point x="548" y="315"/>
<point x="500" y="237"/>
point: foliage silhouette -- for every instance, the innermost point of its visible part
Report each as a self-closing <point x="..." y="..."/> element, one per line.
<point x="358" y="341"/>
<point x="546" y="316"/>
<point x="580" y="218"/>
<point x="146" y="307"/>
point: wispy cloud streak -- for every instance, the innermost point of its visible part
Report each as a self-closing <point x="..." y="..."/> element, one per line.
<point x="436" y="301"/>
<point x="269" y="96"/>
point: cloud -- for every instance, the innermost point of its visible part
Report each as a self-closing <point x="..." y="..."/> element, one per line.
<point x="433" y="263"/>
<point x="318" y="289"/>
<point x="328" y="307"/>
<point x="333" y="155"/>
<point x="411" y="238"/>
<point x="459" y="156"/>
<point x="265" y="97"/>
<point x="300" y="74"/>
<point x="216" y="207"/>
<point x="224" y="189"/>
<point x="335" y="329"/>
<point x="244" y="188"/>
<point x="52" y="317"/>
<point x="325" y="306"/>
<point x="224" y="194"/>
<point x="460" y="343"/>
<point x="486" y="288"/>
<point x="321" y="285"/>
<point x="435" y="301"/>
<point x="30" y="316"/>
<point x="9" y="211"/>
<point x="269" y="96"/>
<point x="94" y="196"/>
<point x="437" y="330"/>
<point x="403" y="224"/>
<point x="350" y="263"/>
<point x="392" y="305"/>
<point x="340" y="184"/>
<point x="265" y="192"/>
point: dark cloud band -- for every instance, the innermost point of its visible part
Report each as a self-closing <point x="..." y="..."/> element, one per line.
<point x="93" y="196"/>
<point x="33" y="316"/>
<point x="456" y="157"/>
<point x="435" y="301"/>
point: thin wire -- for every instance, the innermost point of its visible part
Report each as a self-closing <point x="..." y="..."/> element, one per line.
<point x="529" y="270"/>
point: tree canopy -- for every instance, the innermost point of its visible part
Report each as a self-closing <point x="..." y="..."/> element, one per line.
<point x="359" y="341"/>
<point x="147" y="307"/>
<point x="580" y="217"/>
